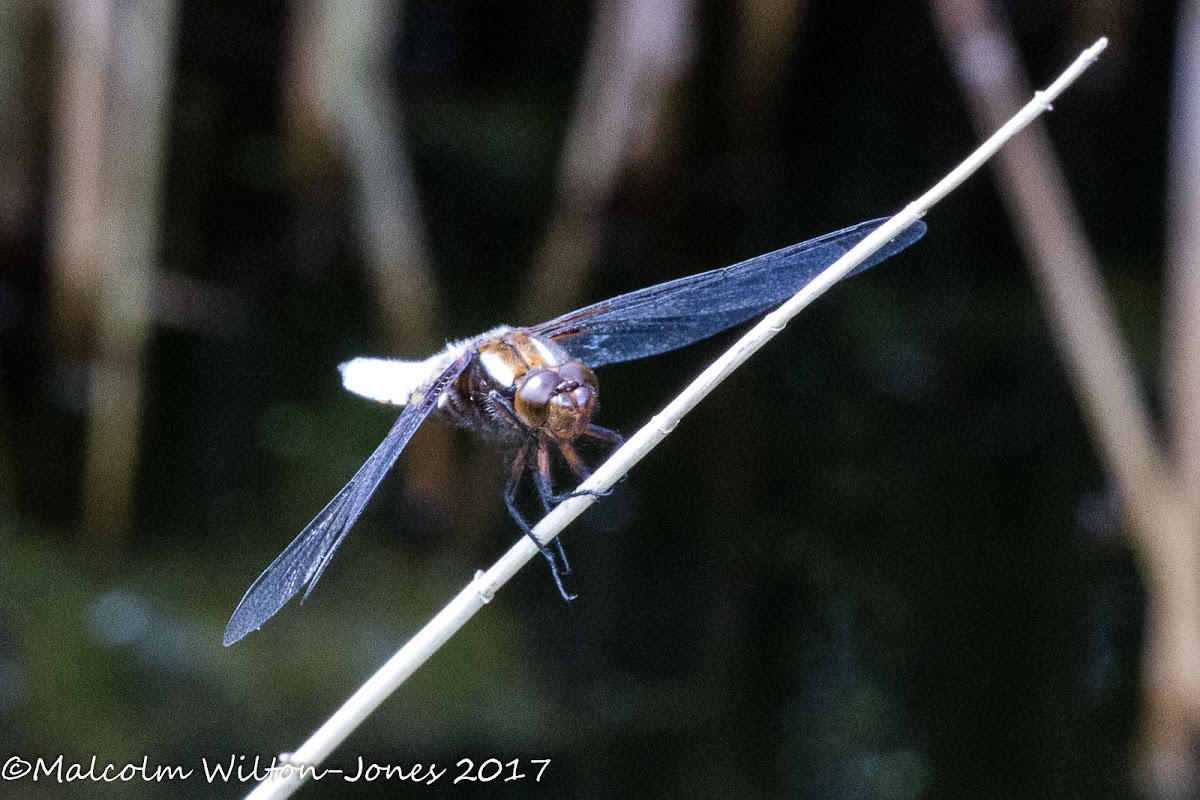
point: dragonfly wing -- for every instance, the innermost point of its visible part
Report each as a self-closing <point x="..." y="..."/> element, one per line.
<point x="674" y="314"/>
<point x="301" y="563"/>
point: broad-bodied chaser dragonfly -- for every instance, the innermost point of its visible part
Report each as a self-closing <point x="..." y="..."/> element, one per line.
<point x="534" y="387"/>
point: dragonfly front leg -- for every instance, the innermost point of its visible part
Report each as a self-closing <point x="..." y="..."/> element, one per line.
<point x="581" y="471"/>
<point x="605" y="435"/>
<point x="503" y="411"/>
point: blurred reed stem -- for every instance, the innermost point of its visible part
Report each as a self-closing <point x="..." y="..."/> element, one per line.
<point x="78" y="191"/>
<point x="638" y="51"/>
<point x="138" y="84"/>
<point x="1067" y="275"/>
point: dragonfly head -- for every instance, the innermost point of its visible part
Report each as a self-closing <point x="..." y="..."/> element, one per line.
<point x="559" y="400"/>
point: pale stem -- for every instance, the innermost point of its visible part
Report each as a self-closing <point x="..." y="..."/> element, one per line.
<point x="481" y="590"/>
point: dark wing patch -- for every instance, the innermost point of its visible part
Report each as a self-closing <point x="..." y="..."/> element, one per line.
<point x="303" y="561"/>
<point x="674" y="314"/>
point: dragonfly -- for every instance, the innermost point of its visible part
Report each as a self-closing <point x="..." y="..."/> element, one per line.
<point x="535" y="388"/>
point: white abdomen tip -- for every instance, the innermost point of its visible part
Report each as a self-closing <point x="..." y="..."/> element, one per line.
<point x="384" y="380"/>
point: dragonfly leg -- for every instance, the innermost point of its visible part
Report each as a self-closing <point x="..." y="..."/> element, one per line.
<point x="503" y="410"/>
<point x="605" y="435"/>
<point x="581" y="471"/>
<point x="510" y="500"/>
<point x="545" y="487"/>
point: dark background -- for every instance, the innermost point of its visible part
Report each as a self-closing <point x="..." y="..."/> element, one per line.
<point x="881" y="561"/>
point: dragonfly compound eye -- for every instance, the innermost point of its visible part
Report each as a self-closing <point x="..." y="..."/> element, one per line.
<point x="560" y="399"/>
<point x="576" y="372"/>
<point x="532" y="399"/>
<point x="573" y="402"/>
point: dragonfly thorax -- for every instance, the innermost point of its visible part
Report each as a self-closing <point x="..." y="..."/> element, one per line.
<point x="518" y="384"/>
